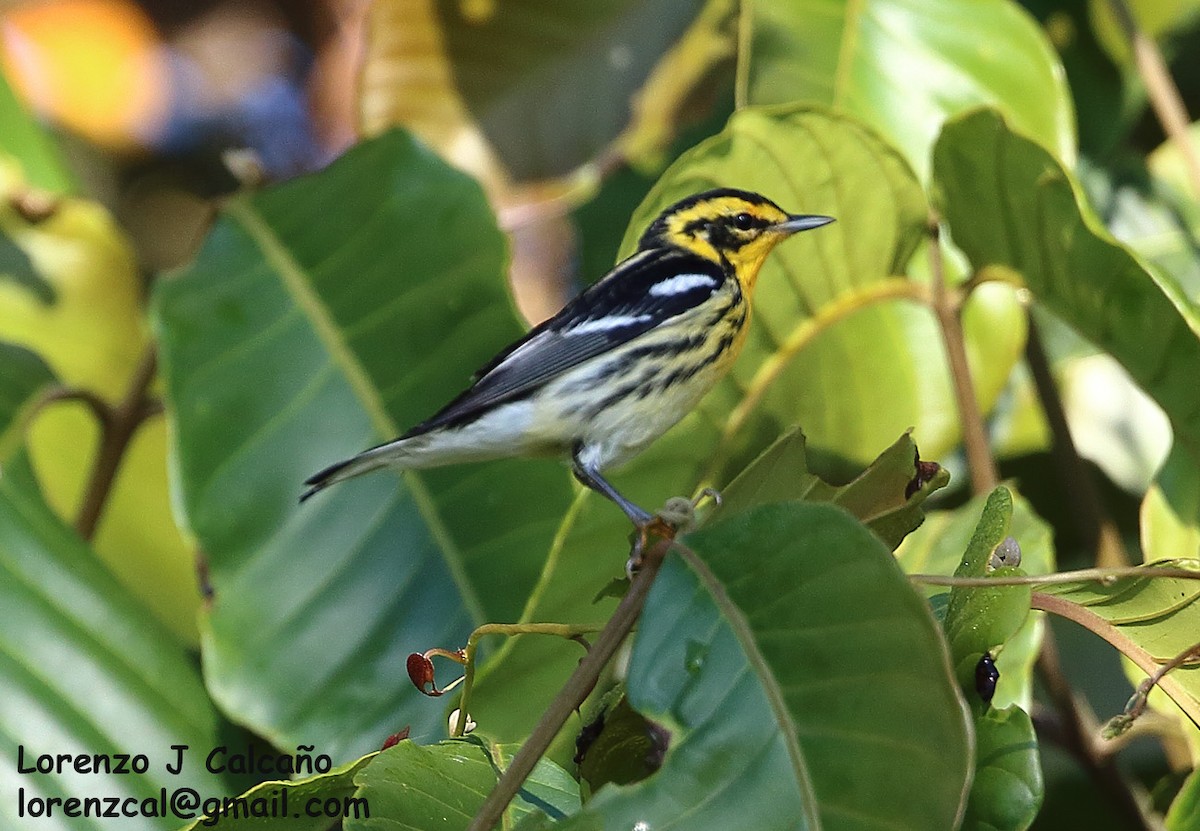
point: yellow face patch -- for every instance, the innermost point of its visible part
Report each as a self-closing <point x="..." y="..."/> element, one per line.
<point x="729" y="229"/>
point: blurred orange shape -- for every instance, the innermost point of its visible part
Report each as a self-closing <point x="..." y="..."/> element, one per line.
<point x="97" y="67"/>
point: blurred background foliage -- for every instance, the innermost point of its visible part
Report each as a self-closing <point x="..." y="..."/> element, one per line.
<point x="150" y="114"/>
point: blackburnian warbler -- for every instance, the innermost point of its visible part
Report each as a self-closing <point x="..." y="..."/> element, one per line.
<point x="621" y="363"/>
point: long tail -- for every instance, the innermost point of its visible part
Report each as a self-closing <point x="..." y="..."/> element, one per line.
<point x="373" y="459"/>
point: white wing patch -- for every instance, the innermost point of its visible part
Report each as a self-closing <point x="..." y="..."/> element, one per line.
<point x="607" y="323"/>
<point x="681" y="283"/>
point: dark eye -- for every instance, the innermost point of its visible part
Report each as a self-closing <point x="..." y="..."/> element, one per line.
<point x="743" y="222"/>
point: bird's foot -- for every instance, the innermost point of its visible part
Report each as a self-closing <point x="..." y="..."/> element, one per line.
<point x="676" y="516"/>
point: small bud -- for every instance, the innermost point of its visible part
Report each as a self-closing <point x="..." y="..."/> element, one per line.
<point x="454" y="717"/>
<point x="1007" y="553"/>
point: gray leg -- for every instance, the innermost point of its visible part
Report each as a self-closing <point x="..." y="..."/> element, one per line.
<point x="591" y="478"/>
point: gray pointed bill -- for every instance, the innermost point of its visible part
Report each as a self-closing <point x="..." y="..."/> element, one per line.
<point x="802" y="222"/>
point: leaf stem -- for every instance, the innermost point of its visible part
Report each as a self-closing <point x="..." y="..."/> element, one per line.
<point x="947" y="307"/>
<point x="577" y="688"/>
<point x="117" y="430"/>
<point x="1164" y="95"/>
<point x="1079" y="486"/>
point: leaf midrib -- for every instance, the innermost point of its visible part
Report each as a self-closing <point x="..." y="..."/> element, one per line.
<point x="297" y="283"/>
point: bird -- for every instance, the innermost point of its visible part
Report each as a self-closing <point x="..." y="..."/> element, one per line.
<point x="619" y="364"/>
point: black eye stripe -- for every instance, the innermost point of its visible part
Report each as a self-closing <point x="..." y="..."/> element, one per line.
<point x="743" y="222"/>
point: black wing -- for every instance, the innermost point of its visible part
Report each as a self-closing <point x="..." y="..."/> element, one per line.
<point x="637" y="295"/>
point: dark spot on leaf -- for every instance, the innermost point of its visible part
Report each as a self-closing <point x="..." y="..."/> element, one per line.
<point x="587" y="737"/>
<point x="395" y="738"/>
<point x="203" y="579"/>
<point x="660" y="742"/>
<point x="986" y="677"/>
<point x="925" y="473"/>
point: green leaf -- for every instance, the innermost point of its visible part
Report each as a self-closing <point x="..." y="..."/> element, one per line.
<point x="70" y="631"/>
<point x="1007" y="791"/>
<point x="16" y="267"/>
<point x="1153" y="17"/>
<point x="814" y="665"/>
<point x="322" y="317"/>
<point x="444" y="785"/>
<point x="937" y="548"/>
<point x="270" y="804"/>
<point x="1010" y="205"/>
<point x="23" y="376"/>
<point x="24" y="140"/>
<point x="1150" y="618"/>
<point x="887" y="496"/>
<point x="905" y="66"/>
<point x="1185" y="810"/>
<point x="86" y="670"/>
<point x="1170" y="514"/>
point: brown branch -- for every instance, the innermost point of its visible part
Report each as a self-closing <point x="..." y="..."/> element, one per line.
<point x="116" y="432"/>
<point x="1078" y="726"/>
<point x="1079" y="486"/>
<point x="947" y="307"/>
<point x="577" y="688"/>
<point x="99" y="407"/>
<point x="1164" y="95"/>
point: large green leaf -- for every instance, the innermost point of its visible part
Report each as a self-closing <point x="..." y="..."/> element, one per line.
<point x="853" y="386"/>
<point x="1009" y="204"/>
<point x="814" y="666"/>
<point x="321" y="317"/>
<point x="905" y="66"/>
<point x="442" y="786"/>
<point x="87" y="670"/>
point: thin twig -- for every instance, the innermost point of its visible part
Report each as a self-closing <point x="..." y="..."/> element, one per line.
<point x="99" y="407"/>
<point x="1141" y="696"/>
<point x="1078" y="726"/>
<point x="1099" y="575"/>
<point x="1079" y="487"/>
<point x="1164" y="95"/>
<point x="577" y="688"/>
<point x="116" y="432"/>
<point x="947" y="307"/>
